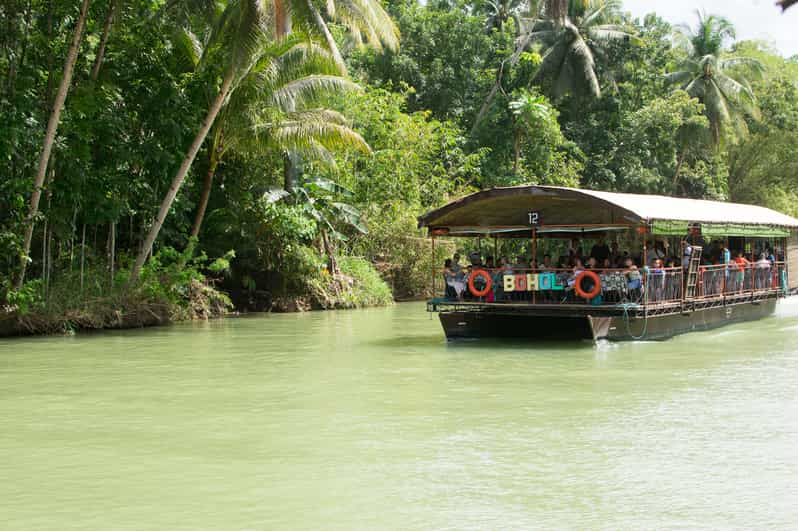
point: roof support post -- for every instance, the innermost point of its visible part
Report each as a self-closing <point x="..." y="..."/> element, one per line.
<point x="432" y="261"/>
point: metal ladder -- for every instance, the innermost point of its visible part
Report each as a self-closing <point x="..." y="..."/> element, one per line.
<point x="692" y="272"/>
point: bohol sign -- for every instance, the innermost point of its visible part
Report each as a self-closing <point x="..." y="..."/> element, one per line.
<point x="532" y="282"/>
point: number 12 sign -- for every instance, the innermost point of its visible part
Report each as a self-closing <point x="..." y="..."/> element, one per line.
<point x="534" y="218"/>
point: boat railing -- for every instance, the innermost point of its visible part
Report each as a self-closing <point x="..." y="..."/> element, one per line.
<point x="645" y="286"/>
<point x="734" y="280"/>
<point x="523" y="285"/>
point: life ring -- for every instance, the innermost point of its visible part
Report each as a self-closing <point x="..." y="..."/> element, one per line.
<point x="593" y="293"/>
<point x="488" y="283"/>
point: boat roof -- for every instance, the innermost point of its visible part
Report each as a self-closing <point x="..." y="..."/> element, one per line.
<point x="508" y="208"/>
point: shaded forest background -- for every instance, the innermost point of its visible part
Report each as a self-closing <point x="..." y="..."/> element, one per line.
<point x="283" y="150"/>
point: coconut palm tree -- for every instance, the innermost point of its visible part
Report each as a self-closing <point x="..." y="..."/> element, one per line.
<point x="252" y="122"/>
<point x="571" y="45"/>
<point x="238" y="43"/>
<point x="572" y="32"/>
<point x="708" y="72"/>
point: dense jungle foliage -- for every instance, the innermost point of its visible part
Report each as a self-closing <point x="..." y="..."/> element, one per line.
<point x="295" y="142"/>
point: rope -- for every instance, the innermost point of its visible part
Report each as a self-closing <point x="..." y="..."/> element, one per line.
<point x="626" y="305"/>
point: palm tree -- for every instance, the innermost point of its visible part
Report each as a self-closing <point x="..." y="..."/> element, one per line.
<point x="707" y="73"/>
<point x="49" y="139"/>
<point x="571" y="45"/>
<point x="366" y="21"/>
<point x="239" y="41"/>
<point x="572" y="31"/>
<point x="252" y="122"/>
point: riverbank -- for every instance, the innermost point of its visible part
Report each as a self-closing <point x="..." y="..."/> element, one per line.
<point x="169" y="297"/>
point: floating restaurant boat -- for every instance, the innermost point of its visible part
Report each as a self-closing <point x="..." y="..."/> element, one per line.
<point x="704" y="290"/>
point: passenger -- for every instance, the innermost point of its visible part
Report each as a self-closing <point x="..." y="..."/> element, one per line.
<point x="449" y="280"/>
<point x="695" y="238"/>
<point x="592" y="263"/>
<point x="475" y="259"/>
<point x="762" y="272"/>
<point x="546" y="265"/>
<point x="658" y="251"/>
<point x="725" y="254"/>
<point x="741" y="261"/>
<point x="656" y="289"/>
<point x="600" y="251"/>
<point x="743" y="268"/>
<point x="577" y="270"/>
<point x="607" y="265"/>
<point x="687" y="254"/>
<point x="490" y="263"/>
<point x="456" y="268"/>
<point x="506" y="266"/>
<point x="633" y="279"/>
<point x="621" y="262"/>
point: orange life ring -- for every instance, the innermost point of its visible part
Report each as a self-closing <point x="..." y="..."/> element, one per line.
<point x="488" y="283"/>
<point x="593" y="293"/>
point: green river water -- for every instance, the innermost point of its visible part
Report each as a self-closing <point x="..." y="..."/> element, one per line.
<point x="369" y="420"/>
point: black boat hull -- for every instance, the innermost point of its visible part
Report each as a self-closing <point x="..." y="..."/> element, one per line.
<point x="619" y="327"/>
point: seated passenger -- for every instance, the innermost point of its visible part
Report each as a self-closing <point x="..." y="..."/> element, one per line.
<point x="475" y="259"/>
<point x="449" y="280"/>
<point x="577" y="270"/>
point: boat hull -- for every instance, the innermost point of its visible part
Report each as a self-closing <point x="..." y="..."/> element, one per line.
<point x="618" y="327"/>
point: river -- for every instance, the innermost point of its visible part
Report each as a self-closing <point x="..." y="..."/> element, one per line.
<point x="368" y="419"/>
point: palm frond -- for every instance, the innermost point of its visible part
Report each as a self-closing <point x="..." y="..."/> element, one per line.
<point x="610" y="32"/>
<point x="295" y="134"/>
<point x="367" y="17"/>
<point x="298" y="93"/>
<point x="680" y="76"/>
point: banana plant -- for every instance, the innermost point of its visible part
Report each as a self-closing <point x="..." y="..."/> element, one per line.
<point x="323" y="200"/>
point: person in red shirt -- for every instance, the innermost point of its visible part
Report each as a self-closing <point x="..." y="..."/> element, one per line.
<point x="743" y="265"/>
<point x="741" y="261"/>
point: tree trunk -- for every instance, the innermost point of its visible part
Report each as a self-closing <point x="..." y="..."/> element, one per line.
<point x="322" y="26"/>
<point x="204" y="196"/>
<point x="177" y="182"/>
<point x="516" y="152"/>
<point x="44" y="254"/>
<point x="332" y="263"/>
<point x="82" y="256"/>
<point x="292" y="170"/>
<point x="557" y="10"/>
<point x="111" y="251"/>
<point x="49" y="139"/>
<point x="49" y="268"/>
<point x="282" y="19"/>
<point x="98" y="61"/>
